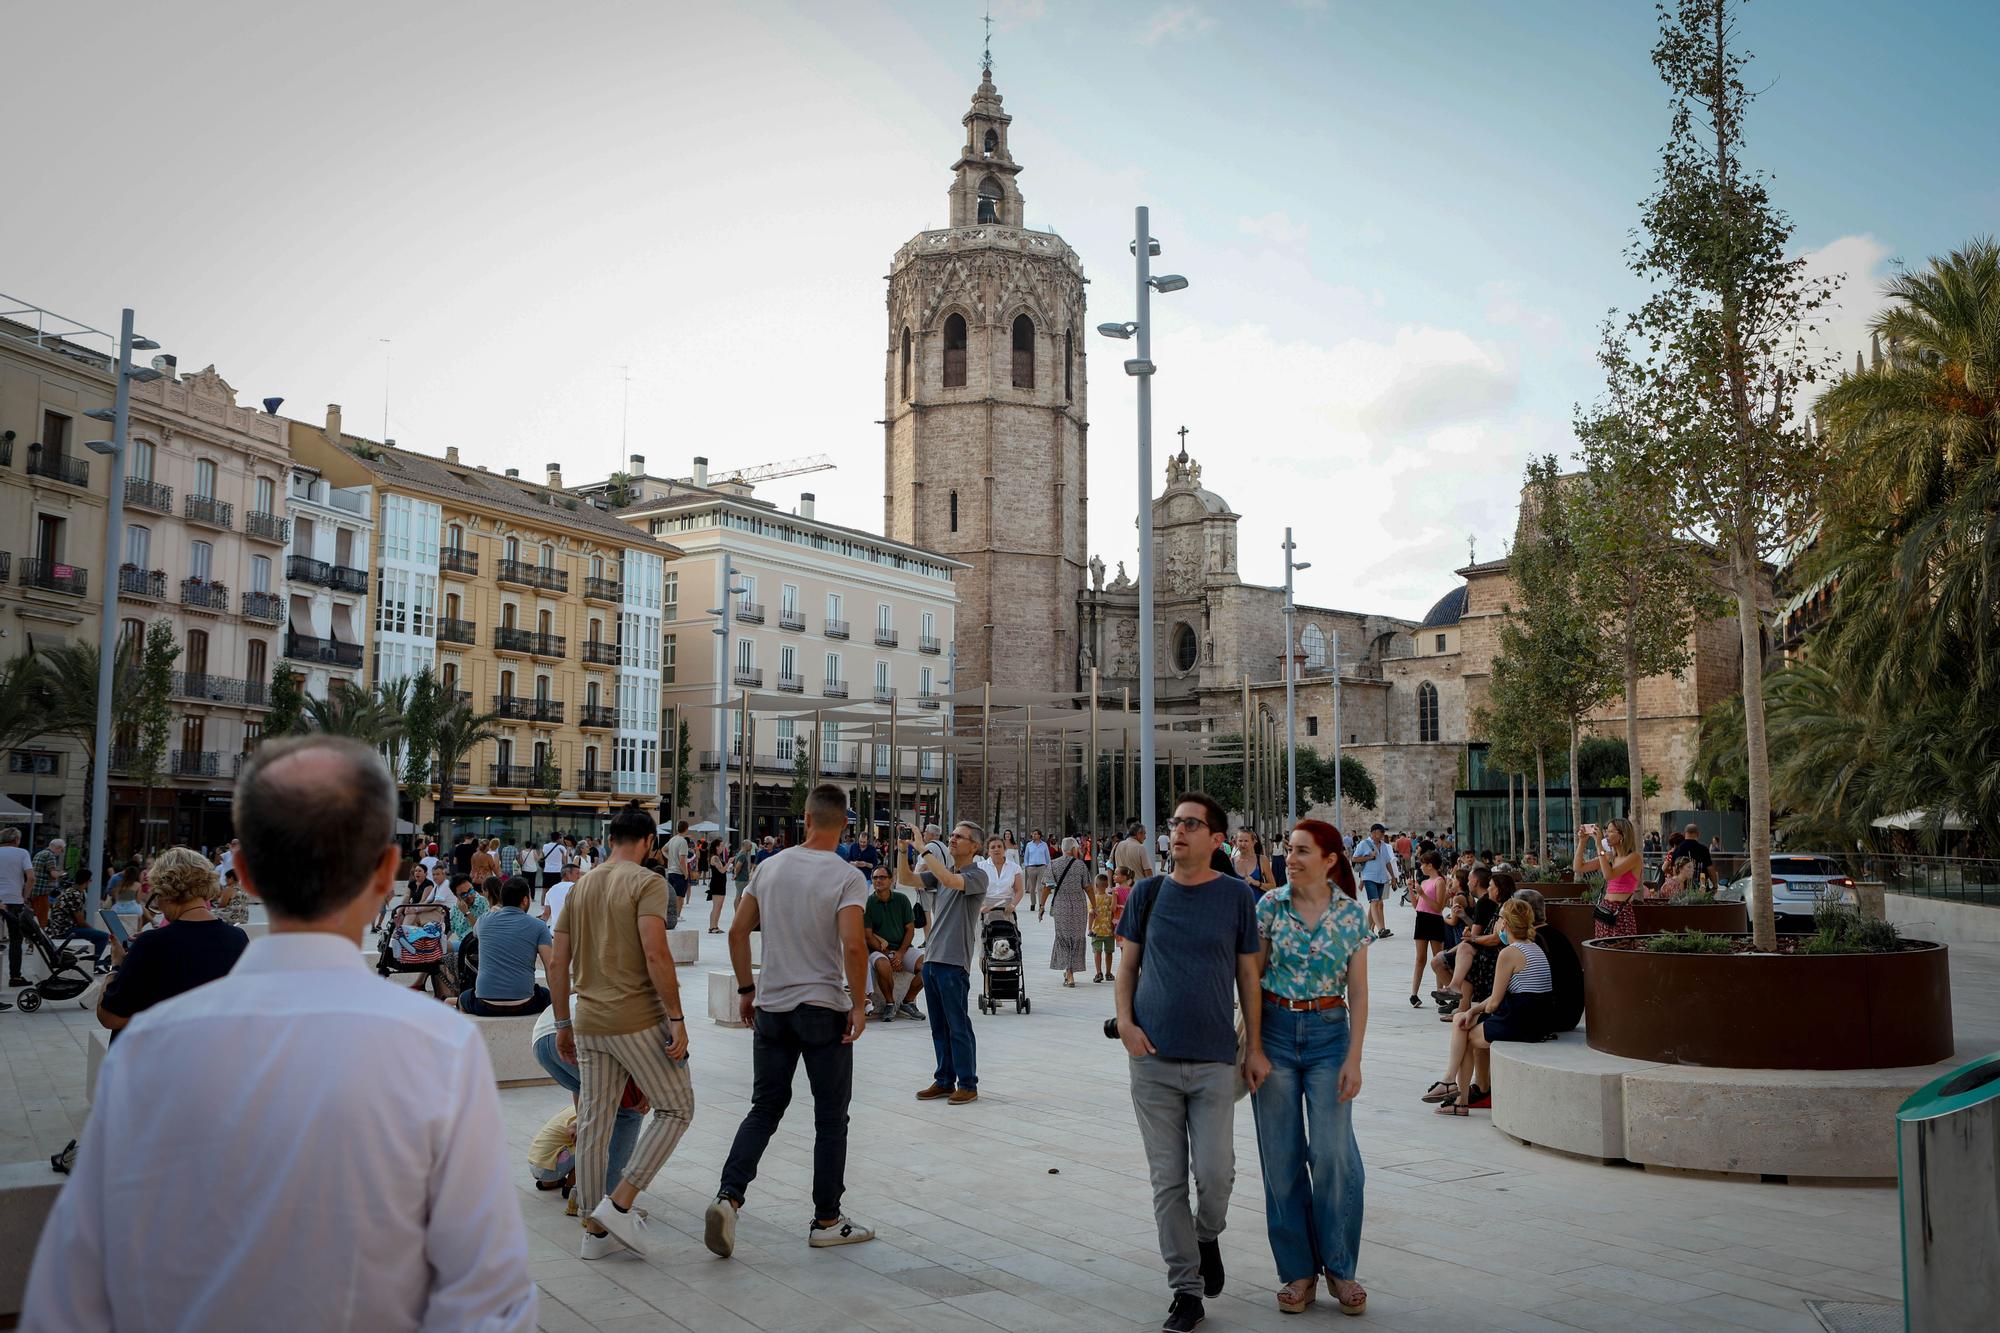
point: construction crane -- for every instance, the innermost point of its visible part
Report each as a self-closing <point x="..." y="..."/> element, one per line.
<point x="789" y="467"/>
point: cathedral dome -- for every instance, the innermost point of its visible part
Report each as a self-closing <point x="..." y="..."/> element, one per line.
<point x="1448" y="610"/>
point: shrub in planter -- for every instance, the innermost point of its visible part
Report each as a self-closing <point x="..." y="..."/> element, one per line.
<point x="1689" y="941"/>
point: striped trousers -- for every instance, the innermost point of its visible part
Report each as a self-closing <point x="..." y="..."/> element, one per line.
<point x="603" y="1064"/>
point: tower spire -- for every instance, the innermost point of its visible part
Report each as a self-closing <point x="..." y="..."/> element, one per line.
<point x="986" y="56"/>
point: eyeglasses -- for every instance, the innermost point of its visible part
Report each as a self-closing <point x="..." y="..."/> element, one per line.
<point x="1187" y="823"/>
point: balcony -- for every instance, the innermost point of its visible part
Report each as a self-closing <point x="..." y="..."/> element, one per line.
<point x="55" y="576"/>
<point x="752" y="677"/>
<point x="793" y="620"/>
<point x="458" y="560"/>
<point x="44" y="462"/>
<point x="928" y="644"/>
<point x="836" y="629"/>
<point x="147" y="583"/>
<point x="328" y="652"/>
<point x="209" y="510"/>
<point x="346" y="578"/>
<point x="598" y="653"/>
<point x="533" y="576"/>
<point x="593" y="779"/>
<point x="603" y="590"/>
<point x="598" y="717"/>
<point x="461" y="774"/>
<point x="267" y="527"/>
<point x="527" y="708"/>
<point x="268" y="607"/>
<point x="834" y="689"/>
<point x="143" y="494"/>
<point x="886" y="637"/>
<point x="456" y="631"/>
<point x="305" y="569"/>
<point x="221" y="689"/>
<point x="929" y="701"/>
<point x="507" y="639"/>
<point x="885" y="694"/>
<point x="125" y="758"/>
<point x="791" y="684"/>
<point x="750" y="613"/>
<point x="202" y="595"/>
<point x="195" y="764"/>
<point x="517" y="776"/>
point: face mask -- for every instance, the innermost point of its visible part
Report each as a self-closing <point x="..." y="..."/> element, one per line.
<point x="1503" y="934"/>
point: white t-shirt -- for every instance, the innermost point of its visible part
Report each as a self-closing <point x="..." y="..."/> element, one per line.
<point x="677" y="855"/>
<point x="429" y="863"/>
<point x="554" y="902"/>
<point x="800" y="894"/>
<point x="225" y="865"/>
<point x="554" y="857"/>
<point x="15" y="863"/>
<point x="1000" y="880"/>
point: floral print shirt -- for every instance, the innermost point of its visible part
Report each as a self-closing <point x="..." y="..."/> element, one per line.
<point x="463" y="919"/>
<point x="1305" y="964"/>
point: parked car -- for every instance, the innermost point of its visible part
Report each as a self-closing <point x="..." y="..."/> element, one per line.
<point x="1798" y="881"/>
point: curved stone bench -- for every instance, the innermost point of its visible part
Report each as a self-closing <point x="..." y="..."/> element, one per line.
<point x="1755" y="1122"/>
<point x="510" y="1045"/>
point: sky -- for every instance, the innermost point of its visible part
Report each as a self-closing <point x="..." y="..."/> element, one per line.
<point x="568" y="233"/>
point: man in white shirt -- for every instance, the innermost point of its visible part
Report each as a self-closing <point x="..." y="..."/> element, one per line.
<point x="355" y="1194"/>
<point x="555" y="857"/>
<point x="17" y="876"/>
<point x="552" y="904"/>
<point x="228" y="861"/>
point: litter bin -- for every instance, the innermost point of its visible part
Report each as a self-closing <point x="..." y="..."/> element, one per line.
<point x="1948" y="1165"/>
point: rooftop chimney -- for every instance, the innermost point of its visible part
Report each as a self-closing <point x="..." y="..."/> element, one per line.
<point x="700" y="470"/>
<point x="513" y="472"/>
<point x="555" y="476"/>
<point x="638" y="465"/>
<point x="806" y="505"/>
<point x="333" y="420"/>
<point x="451" y="453"/>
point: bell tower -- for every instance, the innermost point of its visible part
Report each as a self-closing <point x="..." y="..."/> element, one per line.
<point x="984" y="423"/>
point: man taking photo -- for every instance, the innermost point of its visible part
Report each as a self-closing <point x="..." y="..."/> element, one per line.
<point x="961" y="888"/>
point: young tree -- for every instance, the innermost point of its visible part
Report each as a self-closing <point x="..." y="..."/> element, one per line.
<point x="415" y="699"/>
<point x="151" y="688"/>
<point x="288" y="704"/>
<point x="683" y="768"/>
<point x="1720" y="353"/>
<point x="802" y="776"/>
<point x="1523" y="728"/>
<point x="458" y="731"/>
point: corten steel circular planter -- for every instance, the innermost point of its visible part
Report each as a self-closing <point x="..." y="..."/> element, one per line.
<point x="1554" y="891"/>
<point x="1574" y="921"/>
<point x="1770" y="1011"/>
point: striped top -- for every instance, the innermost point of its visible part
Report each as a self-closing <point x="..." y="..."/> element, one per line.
<point x="1532" y="977"/>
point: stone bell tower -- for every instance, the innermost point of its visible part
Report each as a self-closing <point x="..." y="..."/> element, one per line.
<point x="984" y="429"/>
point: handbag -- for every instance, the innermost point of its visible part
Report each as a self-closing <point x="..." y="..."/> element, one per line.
<point x="1604" y="912"/>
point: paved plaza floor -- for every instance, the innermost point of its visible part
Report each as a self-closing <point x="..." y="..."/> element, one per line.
<point x="1029" y="1210"/>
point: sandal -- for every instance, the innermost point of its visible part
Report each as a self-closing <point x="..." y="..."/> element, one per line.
<point x="1452" y="1105"/>
<point x="1415" y="1003"/>
<point x="1352" y="1301"/>
<point x="1295" y="1296"/>
<point x="1440" y="1091"/>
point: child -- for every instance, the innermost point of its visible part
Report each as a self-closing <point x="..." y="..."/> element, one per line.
<point x="1103" y="920"/>
<point x="552" y="1153"/>
<point x="1121" y="889"/>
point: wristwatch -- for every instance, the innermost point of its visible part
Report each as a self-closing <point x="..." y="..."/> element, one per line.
<point x="747" y="990"/>
<point x="561" y="1023"/>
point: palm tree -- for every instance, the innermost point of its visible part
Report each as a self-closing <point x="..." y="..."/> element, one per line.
<point x="20" y="711"/>
<point x="65" y="696"/>
<point x="349" y="710"/>
<point x="458" y="731"/>
<point x="1908" y="541"/>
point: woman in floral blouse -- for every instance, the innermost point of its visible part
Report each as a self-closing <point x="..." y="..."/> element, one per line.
<point x="1315" y="969"/>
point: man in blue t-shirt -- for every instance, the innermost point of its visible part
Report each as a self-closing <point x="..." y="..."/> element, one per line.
<point x="1191" y="948"/>
<point x="510" y="943"/>
<point x="1377" y="859"/>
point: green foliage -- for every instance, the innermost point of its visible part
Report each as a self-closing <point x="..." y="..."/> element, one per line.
<point x="416" y="700"/>
<point x="1692" y="898"/>
<point x="21" y="718"/>
<point x="619" y="491"/>
<point x="1689" y="941"/>
<point x="1600" y="762"/>
<point x="548" y="780"/>
<point x="288" y="704"/>
<point x="349" y="710"/>
<point x="1315" y="770"/>
<point x="683" y="776"/>
<point x="1839" y="928"/>
<point x="1719" y="777"/>
<point x="149" y="689"/>
<point x="802" y="775"/>
<point x="458" y="731"/>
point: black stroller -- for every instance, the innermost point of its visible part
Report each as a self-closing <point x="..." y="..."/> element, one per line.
<point x="70" y="973"/>
<point x="1000" y="962"/>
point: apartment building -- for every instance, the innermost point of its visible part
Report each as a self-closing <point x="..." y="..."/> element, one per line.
<point x="831" y="618"/>
<point x="327" y="580"/>
<point x="533" y="605"/>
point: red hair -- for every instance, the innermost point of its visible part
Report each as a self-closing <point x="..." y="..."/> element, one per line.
<point x="1330" y="844"/>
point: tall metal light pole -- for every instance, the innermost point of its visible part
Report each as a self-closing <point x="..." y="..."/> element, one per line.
<point x="730" y="592"/>
<point x="107" y="629"/>
<point x="1144" y="247"/>
<point x="1291" y="710"/>
<point x="1336" y="725"/>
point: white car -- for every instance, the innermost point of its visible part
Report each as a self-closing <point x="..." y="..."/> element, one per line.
<point x="1798" y="881"/>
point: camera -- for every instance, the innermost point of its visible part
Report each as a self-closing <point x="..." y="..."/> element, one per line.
<point x="1111" y="1027"/>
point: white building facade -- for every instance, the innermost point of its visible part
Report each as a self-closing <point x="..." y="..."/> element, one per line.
<point x="326" y="581"/>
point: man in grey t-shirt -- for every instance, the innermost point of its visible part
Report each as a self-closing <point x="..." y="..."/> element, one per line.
<point x="961" y="888"/>
<point x="808" y="902"/>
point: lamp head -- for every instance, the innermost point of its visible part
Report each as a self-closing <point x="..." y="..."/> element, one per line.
<point x="1167" y="282"/>
<point x="103" y="446"/>
<point x="1302" y="564"/>
<point x="1124" y="330"/>
<point x="144" y="345"/>
<point x="101" y="414"/>
<point x="143" y="374"/>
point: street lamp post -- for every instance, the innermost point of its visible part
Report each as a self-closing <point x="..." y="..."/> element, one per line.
<point x="1144" y="247"/>
<point x="107" y="629"/>
<point x="1291" y="657"/>
<point x="730" y="591"/>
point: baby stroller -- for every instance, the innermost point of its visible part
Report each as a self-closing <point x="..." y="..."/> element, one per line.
<point x="415" y="942"/>
<point x="70" y="973"/>
<point x="1000" y="961"/>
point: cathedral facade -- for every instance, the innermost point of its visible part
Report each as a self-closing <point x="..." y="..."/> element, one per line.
<point x="984" y="422"/>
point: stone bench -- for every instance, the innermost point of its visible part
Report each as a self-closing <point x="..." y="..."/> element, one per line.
<point x="27" y="1192"/>
<point x="100" y="1046"/>
<point x="722" y="1000"/>
<point x="685" y="945"/>
<point x="510" y="1045"/>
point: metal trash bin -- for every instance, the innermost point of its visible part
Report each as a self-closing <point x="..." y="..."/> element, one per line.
<point x="1948" y="1167"/>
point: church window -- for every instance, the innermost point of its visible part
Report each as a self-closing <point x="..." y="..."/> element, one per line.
<point x="906" y="365"/>
<point x="1313" y="642"/>
<point x="1185" y="648"/>
<point x="992" y="142"/>
<point x="1427" y="712"/>
<point x="1312" y="725"/>
<point x="954" y="511"/>
<point x="989" y="200"/>
<point x="1440" y="646"/>
<point x="1069" y="365"/>
<point x="1024" y="352"/>
<point x="954" y="352"/>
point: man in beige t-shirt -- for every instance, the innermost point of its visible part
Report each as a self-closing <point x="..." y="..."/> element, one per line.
<point x="611" y="953"/>
<point x="1132" y="855"/>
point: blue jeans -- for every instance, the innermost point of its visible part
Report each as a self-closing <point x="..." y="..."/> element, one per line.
<point x="1305" y="1141"/>
<point x="624" y="1129"/>
<point x="950" y="989"/>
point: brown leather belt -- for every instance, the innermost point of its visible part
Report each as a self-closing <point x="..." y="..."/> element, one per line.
<point x="1308" y="1006"/>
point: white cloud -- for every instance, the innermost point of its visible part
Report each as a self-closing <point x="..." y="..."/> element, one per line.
<point x="1276" y="229"/>
<point x="1861" y="264"/>
<point x="1507" y="307"/>
<point x="1175" y="22"/>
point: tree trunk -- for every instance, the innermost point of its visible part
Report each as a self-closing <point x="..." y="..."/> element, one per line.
<point x="1510" y="818"/>
<point x="1575" y="788"/>
<point x="1542" y="800"/>
<point x="1634" y="774"/>
<point x="1749" y="622"/>
<point x="444" y="803"/>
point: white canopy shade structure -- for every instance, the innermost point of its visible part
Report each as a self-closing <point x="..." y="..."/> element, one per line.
<point x="13" y="812"/>
<point x="1952" y="822"/>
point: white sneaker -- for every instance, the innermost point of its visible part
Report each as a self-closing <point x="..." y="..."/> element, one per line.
<point x="844" y="1232"/>
<point x="719" y="1228"/>
<point x="601" y="1247"/>
<point x="625" y="1227"/>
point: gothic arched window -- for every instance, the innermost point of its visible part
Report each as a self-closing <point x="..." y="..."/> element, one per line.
<point x="1427" y="712"/>
<point x="906" y="365"/>
<point x="1024" y="352"/>
<point x="954" y="511"/>
<point x="989" y="200"/>
<point x="954" y="352"/>
<point x="1313" y="643"/>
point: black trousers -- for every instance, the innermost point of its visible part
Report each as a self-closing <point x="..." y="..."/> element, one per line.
<point x="15" y="914"/>
<point x="469" y="1003"/>
<point x="780" y="1041"/>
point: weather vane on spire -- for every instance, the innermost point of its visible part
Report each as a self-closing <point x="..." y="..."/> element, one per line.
<point x="986" y="56"/>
